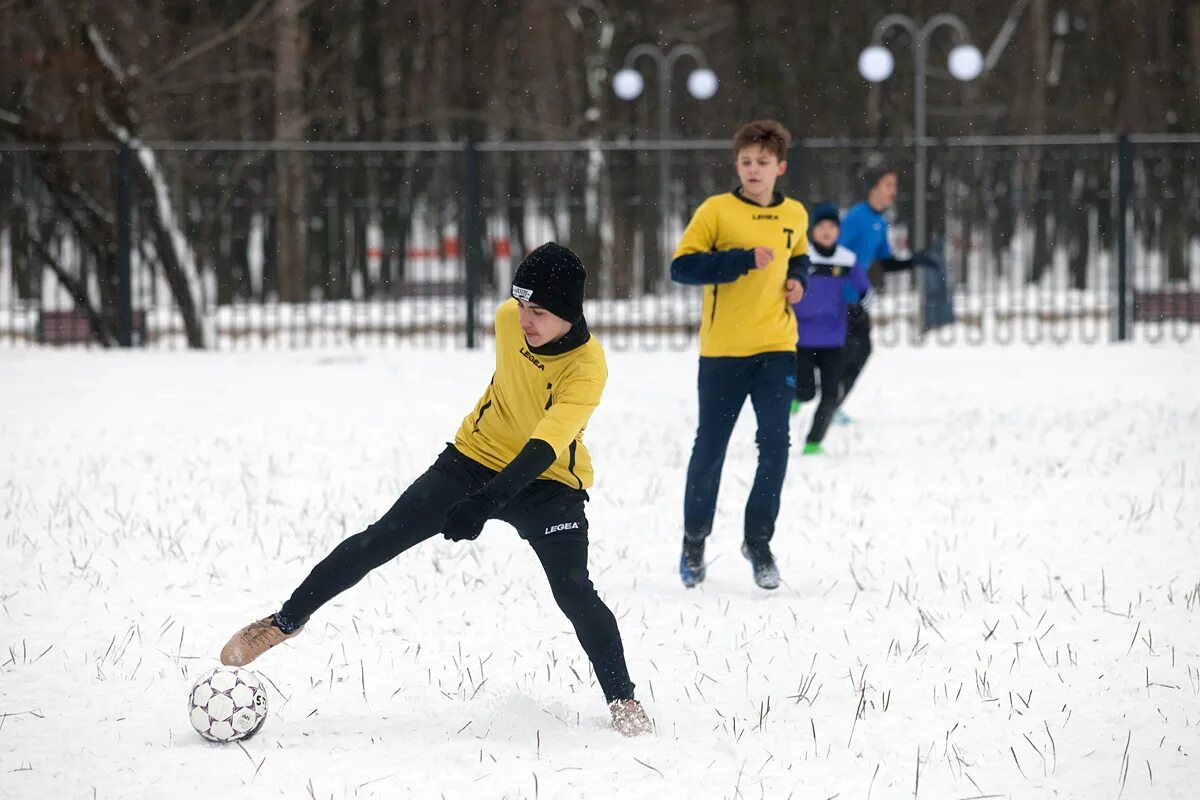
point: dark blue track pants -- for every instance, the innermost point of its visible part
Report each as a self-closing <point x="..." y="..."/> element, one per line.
<point x="769" y="380"/>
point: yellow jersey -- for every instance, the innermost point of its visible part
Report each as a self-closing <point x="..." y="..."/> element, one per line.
<point x="536" y="396"/>
<point x="745" y="310"/>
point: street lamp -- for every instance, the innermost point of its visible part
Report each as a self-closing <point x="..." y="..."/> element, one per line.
<point x="628" y="85"/>
<point x="875" y="63"/>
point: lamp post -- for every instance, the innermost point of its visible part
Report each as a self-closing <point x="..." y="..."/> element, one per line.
<point x="875" y="63"/>
<point x="628" y="85"/>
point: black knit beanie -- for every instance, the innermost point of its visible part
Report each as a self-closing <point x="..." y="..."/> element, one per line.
<point x="824" y="212"/>
<point x="553" y="277"/>
<point x="871" y="176"/>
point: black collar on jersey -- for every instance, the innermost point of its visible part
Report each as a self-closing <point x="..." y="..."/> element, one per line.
<point x="825" y="251"/>
<point x="776" y="198"/>
<point x="578" y="335"/>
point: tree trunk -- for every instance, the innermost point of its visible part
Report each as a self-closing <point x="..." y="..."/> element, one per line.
<point x="102" y="329"/>
<point x="1176" y="237"/>
<point x="395" y="58"/>
<point x="624" y="224"/>
<point x="1036" y="160"/>
<point x="1082" y="197"/>
<point x="1132" y="104"/>
<point x="1193" y="39"/>
<point x="167" y="231"/>
<point x="290" y="184"/>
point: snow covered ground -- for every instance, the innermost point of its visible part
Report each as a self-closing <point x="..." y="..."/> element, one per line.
<point x="992" y="585"/>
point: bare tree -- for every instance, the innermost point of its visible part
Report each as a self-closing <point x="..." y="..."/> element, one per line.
<point x="291" y="70"/>
<point x="290" y="196"/>
<point x="106" y="111"/>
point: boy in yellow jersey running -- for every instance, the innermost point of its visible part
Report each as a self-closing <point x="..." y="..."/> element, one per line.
<point x="519" y="457"/>
<point x="748" y="249"/>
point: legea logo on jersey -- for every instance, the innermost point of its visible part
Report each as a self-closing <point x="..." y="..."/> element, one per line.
<point x="521" y="293"/>
<point x="565" y="526"/>
<point x="533" y="360"/>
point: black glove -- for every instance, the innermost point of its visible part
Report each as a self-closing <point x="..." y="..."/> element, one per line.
<point x="465" y="518"/>
<point x="925" y="260"/>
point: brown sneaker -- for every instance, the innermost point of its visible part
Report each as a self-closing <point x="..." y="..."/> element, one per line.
<point x="629" y="718"/>
<point x="252" y="641"/>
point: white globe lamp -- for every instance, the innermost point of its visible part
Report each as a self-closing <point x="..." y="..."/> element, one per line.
<point x="702" y="83"/>
<point x="966" y="62"/>
<point x="628" y="84"/>
<point x="876" y="63"/>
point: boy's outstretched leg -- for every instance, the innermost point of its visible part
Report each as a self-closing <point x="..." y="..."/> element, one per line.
<point x="547" y="506"/>
<point x="564" y="559"/>
<point x="415" y="517"/>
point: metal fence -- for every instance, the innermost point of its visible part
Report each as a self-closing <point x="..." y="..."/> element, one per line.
<point x="231" y="245"/>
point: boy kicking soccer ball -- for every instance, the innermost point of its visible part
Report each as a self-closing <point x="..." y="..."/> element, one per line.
<point x="518" y="457"/>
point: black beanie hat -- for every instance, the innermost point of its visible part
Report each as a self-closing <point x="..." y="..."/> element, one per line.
<point x="553" y="277"/>
<point x="871" y="176"/>
<point x="822" y="212"/>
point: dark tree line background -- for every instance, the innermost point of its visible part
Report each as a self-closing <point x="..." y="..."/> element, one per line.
<point x="289" y="71"/>
<point x="202" y="70"/>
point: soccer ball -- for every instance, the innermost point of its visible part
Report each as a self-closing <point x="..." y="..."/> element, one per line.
<point x="227" y="704"/>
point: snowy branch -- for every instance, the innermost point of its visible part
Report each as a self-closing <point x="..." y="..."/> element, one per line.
<point x="164" y="211"/>
<point x="189" y="290"/>
<point x="104" y="54"/>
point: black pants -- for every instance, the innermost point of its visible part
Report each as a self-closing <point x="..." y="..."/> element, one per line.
<point x="769" y="380"/>
<point x="827" y="360"/>
<point x="547" y="514"/>
<point x="858" y="347"/>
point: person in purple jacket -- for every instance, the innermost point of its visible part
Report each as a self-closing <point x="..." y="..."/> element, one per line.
<point x="833" y="284"/>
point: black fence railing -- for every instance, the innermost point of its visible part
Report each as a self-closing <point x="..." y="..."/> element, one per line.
<point x="229" y="245"/>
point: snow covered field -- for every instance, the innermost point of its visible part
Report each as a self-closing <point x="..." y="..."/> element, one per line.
<point x="992" y="585"/>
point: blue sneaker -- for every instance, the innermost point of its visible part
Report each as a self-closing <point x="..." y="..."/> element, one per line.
<point x="691" y="563"/>
<point x="766" y="573"/>
<point x="841" y="417"/>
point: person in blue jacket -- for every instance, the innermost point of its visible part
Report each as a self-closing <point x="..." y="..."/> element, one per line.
<point x="865" y="232"/>
<point x="821" y="320"/>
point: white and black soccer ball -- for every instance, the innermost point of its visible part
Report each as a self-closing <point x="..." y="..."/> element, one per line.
<point x="227" y="704"/>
